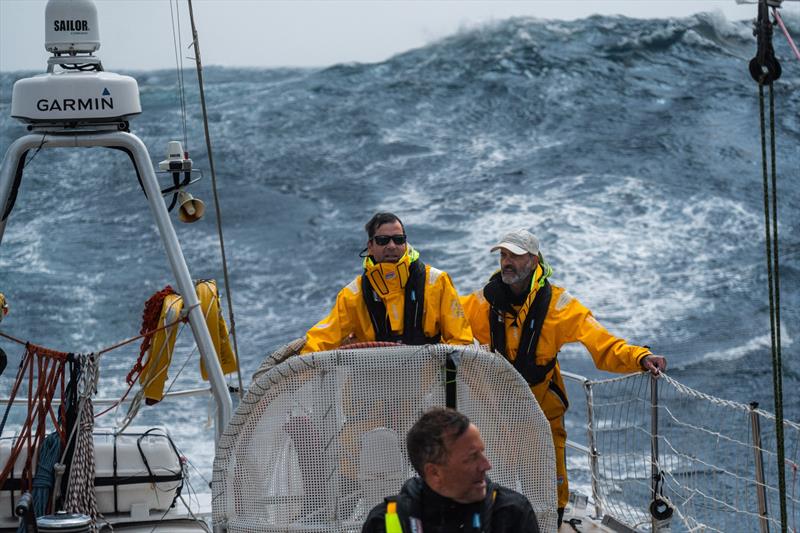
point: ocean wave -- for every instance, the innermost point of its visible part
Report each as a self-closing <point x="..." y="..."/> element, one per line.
<point x="630" y="147"/>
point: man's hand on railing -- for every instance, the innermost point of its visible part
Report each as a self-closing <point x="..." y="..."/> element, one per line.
<point x="655" y="364"/>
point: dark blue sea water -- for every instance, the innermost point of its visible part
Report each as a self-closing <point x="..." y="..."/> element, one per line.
<point x="630" y="147"/>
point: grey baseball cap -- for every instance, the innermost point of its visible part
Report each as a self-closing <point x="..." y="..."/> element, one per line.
<point x="518" y="242"/>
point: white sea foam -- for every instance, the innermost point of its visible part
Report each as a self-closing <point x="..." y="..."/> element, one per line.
<point x="756" y="345"/>
<point x="725" y="27"/>
<point x="610" y="248"/>
<point x="23" y="247"/>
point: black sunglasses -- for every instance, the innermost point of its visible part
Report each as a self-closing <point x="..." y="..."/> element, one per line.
<point x="383" y="240"/>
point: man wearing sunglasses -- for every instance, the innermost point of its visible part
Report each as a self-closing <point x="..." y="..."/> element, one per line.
<point x="398" y="298"/>
<point x="526" y="319"/>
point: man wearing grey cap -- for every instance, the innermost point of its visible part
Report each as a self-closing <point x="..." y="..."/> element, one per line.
<point x="520" y="315"/>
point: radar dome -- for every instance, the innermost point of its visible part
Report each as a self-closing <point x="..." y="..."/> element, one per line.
<point x="71" y="27"/>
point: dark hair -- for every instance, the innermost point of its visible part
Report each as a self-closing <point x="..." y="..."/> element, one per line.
<point x="378" y="219"/>
<point x="428" y="438"/>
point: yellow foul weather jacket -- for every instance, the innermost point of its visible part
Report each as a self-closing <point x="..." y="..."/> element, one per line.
<point x="442" y="315"/>
<point x="567" y="320"/>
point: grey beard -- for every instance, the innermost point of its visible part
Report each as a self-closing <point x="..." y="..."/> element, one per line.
<point x="510" y="279"/>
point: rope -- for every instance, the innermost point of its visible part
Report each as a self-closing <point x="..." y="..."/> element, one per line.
<point x="773" y="280"/>
<point x="48" y="374"/>
<point x="765" y="70"/>
<point x="150" y="318"/>
<point x="118" y="402"/>
<point x="30" y="160"/>
<point x="150" y="315"/>
<point x="218" y="211"/>
<point x="176" y="40"/>
<point x="136" y="402"/>
<point x="120" y="344"/>
<point x="81" y="496"/>
<point x="43" y="481"/>
<point x="180" y="370"/>
<point x="12" y="339"/>
<point x="278" y="356"/>
<point x="368" y="344"/>
<point x="146" y="333"/>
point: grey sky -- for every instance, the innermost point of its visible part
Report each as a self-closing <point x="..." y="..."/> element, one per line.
<point x="137" y="34"/>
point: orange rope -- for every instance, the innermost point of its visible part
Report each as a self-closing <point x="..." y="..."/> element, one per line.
<point x="110" y="348"/>
<point x="141" y="368"/>
<point x="152" y="308"/>
<point x="14" y="339"/>
<point x="49" y="371"/>
<point x="150" y="316"/>
<point x="118" y="402"/>
<point x="368" y="344"/>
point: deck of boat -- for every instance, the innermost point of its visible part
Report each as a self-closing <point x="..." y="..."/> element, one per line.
<point x="586" y="523"/>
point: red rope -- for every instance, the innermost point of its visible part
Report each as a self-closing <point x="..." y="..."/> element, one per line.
<point x="132" y="382"/>
<point x="150" y="316"/>
<point x="47" y="375"/>
<point x="118" y="402"/>
<point x="368" y="344"/>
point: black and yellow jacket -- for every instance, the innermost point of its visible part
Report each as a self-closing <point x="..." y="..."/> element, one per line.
<point x="442" y="317"/>
<point x="567" y="320"/>
<point x="501" y="511"/>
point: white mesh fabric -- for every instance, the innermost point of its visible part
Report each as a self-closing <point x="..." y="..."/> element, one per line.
<point x="318" y="440"/>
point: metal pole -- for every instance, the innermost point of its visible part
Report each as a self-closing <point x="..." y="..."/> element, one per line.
<point x="593" y="455"/>
<point x="761" y="488"/>
<point x="8" y="170"/>
<point x="136" y="148"/>
<point x="183" y="279"/>
<point x="654" y="470"/>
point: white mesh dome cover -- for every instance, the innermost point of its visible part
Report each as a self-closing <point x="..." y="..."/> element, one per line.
<point x="319" y="439"/>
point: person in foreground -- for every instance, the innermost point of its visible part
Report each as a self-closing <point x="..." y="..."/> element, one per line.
<point x="398" y="298"/>
<point x="452" y="493"/>
<point x="527" y="320"/>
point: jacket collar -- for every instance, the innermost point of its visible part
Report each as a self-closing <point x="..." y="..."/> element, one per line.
<point x="390" y="277"/>
<point x="417" y="489"/>
<point x="499" y="295"/>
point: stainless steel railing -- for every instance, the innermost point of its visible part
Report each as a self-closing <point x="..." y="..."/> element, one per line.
<point x="590" y="450"/>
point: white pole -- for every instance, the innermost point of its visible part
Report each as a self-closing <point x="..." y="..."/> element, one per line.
<point x="138" y="152"/>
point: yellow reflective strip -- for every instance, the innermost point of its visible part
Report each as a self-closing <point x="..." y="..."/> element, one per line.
<point x="392" y="519"/>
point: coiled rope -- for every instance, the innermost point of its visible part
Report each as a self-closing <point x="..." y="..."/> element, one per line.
<point x="46" y="368"/>
<point x="148" y="329"/>
<point x="150" y="315"/>
<point x="81" y="496"/>
<point x="43" y="480"/>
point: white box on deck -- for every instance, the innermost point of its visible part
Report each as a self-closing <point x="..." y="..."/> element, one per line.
<point x="136" y="487"/>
